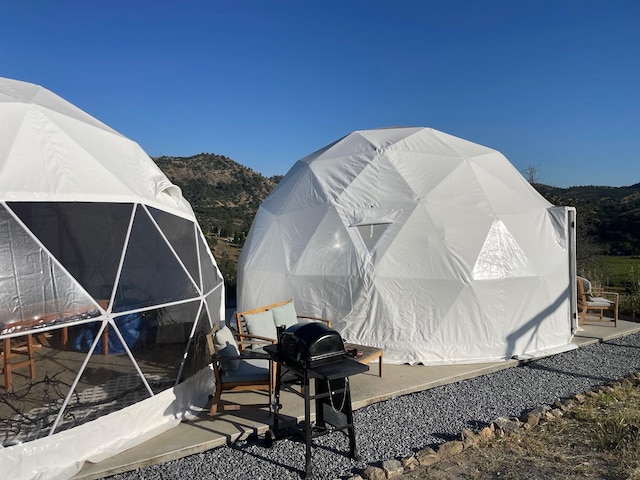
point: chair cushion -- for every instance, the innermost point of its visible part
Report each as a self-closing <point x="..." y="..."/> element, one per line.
<point x="284" y="315"/>
<point x="226" y="346"/>
<point x="249" y="370"/>
<point x="261" y="324"/>
<point x="600" y="302"/>
<point x="586" y="285"/>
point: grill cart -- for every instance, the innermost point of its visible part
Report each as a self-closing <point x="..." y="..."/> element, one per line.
<point x="311" y="362"/>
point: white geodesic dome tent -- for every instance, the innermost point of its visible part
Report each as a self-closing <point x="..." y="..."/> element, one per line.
<point x="429" y="246"/>
<point x="105" y="270"/>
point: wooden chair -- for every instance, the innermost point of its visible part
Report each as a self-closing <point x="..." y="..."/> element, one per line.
<point x="234" y="372"/>
<point x="23" y="349"/>
<point x="262" y="322"/>
<point x="594" y="300"/>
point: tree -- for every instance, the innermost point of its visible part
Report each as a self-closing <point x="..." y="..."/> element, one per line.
<point x="531" y="174"/>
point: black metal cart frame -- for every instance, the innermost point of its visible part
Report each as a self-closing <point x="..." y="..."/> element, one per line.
<point x="331" y="394"/>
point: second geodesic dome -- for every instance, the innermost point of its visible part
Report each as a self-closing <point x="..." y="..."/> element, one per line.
<point x="429" y="246"/>
<point x="103" y="267"/>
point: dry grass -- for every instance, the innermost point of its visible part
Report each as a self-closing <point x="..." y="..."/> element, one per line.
<point x="599" y="439"/>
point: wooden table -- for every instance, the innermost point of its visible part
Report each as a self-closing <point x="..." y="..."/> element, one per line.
<point x="31" y="325"/>
<point x="369" y="354"/>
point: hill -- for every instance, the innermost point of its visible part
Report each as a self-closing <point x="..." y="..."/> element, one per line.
<point x="610" y="216"/>
<point x="226" y="195"/>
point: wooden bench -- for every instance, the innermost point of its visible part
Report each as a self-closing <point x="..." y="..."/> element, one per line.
<point x="255" y="322"/>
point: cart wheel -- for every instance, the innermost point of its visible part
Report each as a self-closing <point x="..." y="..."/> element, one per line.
<point x="269" y="438"/>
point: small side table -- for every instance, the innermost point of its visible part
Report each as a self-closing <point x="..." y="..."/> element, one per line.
<point x="369" y="354"/>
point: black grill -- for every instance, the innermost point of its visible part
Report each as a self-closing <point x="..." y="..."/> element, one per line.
<point x="313" y="352"/>
<point x="309" y="345"/>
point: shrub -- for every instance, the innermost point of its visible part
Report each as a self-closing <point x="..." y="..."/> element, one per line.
<point x="629" y="304"/>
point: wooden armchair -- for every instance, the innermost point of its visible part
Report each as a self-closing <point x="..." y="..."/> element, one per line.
<point x="21" y="349"/>
<point x="596" y="300"/>
<point x="262" y="322"/>
<point x="233" y="371"/>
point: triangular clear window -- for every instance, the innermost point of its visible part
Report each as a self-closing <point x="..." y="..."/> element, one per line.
<point x="110" y="380"/>
<point x="86" y="238"/>
<point x="151" y="273"/>
<point x="210" y="277"/>
<point x="35" y="291"/>
<point x="501" y="256"/>
<point x="371" y="234"/>
<point x="181" y="234"/>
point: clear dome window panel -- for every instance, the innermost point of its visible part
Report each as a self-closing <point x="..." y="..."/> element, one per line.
<point x="87" y="238"/>
<point x="157" y="339"/>
<point x="501" y="256"/>
<point x="107" y="384"/>
<point x="151" y="273"/>
<point x="371" y="234"/>
<point x="197" y="356"/>
<point x="211" y="278"/>
<point x="181" y="234"/>
<point x="214" y="303"/>
<point x="34" y="291"/>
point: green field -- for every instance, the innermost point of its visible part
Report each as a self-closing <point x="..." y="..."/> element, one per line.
<point x="619" y="272"/>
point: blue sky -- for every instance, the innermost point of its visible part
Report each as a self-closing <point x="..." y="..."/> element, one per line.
<point x="551" y="84"/>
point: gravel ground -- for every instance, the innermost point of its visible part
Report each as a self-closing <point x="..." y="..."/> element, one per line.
<point x="399" y="427"/>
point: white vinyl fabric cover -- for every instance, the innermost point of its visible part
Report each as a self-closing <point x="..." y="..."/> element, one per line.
<point x="52" y="150"/>
<point x="94" y="238"/>
<point x="429" y="246"/>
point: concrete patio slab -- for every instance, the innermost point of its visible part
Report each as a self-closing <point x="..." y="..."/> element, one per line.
<point x="205" y="433"/>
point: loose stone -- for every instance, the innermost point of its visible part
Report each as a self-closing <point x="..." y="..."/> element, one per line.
<point x="392" y="468"/>
<point x="374" y="473"/>
<point x="449" y="449"/>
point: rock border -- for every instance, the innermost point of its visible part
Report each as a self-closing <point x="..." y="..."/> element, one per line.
<point x="501" y="427"/>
